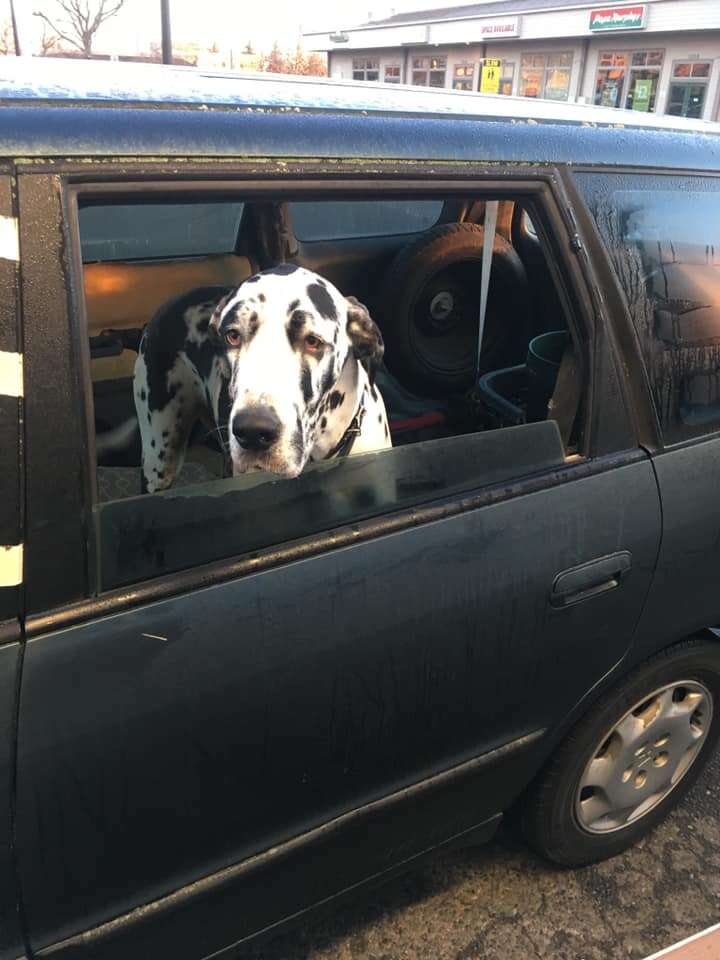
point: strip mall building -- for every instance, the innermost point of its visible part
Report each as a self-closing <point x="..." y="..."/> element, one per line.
<point x="663" y="55"/>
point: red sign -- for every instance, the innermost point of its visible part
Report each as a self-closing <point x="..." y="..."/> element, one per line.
<point x="617" y="18"/>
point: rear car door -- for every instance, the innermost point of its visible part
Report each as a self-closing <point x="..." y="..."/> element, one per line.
<point x="11" y="551"/>
<point x="213" y="741"/>
<point x="661" y="233"/>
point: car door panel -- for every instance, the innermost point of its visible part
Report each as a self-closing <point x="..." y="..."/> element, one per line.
<point x="163" y="744"/>
<point x="11" y="554"/>
<point x="11" y="941"/>
<point x="686" y="592"/>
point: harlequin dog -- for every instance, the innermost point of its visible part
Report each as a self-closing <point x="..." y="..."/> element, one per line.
<point x="283" y="366"/>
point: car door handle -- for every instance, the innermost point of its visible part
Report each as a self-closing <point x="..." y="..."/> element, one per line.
<point x="590" y="579"/>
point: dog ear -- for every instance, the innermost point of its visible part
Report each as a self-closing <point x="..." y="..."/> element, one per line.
<point x="214" y="324"/>
<point x="365" y="336"/>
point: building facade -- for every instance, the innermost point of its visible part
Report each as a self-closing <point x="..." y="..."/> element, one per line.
<point x="661" y="55"/>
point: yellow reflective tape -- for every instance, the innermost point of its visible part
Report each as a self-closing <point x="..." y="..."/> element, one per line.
<point x="9" y="242"/>
<point x="11" y="374"/>
<point x="11" y="565"/>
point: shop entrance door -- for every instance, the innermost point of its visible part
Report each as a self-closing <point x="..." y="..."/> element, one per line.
<point x="687" y="100"/>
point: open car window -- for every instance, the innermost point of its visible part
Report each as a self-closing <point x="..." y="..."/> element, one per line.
<point x="216" y="390"/>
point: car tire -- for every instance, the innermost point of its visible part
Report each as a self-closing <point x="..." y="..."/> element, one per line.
<point x="430" y="306"/>
<point x="630" y="760"/>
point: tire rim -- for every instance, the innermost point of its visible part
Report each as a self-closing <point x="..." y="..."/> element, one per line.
<point x="644" y="757"/>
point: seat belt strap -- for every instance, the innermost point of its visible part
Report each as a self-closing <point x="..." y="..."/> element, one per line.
<point x="491" y="212"/>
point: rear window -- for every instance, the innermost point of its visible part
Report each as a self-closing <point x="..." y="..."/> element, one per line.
<point x="663" y="238"/>
<point x="344" y="219"/>
<point x="142" y="231"/>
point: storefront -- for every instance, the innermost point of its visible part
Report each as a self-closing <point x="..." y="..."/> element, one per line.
<point x="646" y="57"/>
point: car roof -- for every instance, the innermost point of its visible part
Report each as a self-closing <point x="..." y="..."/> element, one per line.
<point x="64" y="93"/>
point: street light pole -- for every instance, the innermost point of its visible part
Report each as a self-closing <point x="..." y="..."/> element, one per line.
<point x="166" y="37"/>
<point x="16" y="38"/>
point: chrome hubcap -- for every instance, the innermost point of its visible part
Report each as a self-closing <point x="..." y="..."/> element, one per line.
<point x="643" y="757"/>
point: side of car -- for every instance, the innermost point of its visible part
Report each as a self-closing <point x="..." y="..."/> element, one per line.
<point x="199" y="723"/>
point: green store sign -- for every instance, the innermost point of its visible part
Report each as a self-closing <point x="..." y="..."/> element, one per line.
<point x="617" y="18"/>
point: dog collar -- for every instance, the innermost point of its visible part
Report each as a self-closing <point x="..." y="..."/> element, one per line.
<point x="343" y="446"/>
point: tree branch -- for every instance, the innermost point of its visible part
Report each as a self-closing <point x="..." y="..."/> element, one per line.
<point x="83" y="19"/>
<point x="63" y="36"/>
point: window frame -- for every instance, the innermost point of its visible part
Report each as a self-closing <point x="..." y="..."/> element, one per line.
<point x="690" y="81"/>
<point x="545" y="190"/>
<point x="427" y="69"/>
<point x="464" y="65"/>
<point x="628" y="69"/>
<point x="392" y="66"/>
<point x="545" y="69"/>
<point x="372" y="65"/>
<point x="507" y="74"/>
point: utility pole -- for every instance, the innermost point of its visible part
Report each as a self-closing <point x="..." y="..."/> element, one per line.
<point x="166" y="36"/>
<point x="16" y="38"/>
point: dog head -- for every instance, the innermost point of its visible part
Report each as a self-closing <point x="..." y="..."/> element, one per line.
<point x="288" y="335"/>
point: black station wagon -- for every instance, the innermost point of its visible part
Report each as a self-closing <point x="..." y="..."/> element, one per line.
<point x="229" y="701"/>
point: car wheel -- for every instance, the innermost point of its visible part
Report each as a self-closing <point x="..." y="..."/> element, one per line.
<point x="430" y="308"/>
<point x="629" y="760"/>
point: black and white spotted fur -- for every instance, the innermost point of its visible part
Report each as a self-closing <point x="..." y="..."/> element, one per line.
<point x="281" y="366"/>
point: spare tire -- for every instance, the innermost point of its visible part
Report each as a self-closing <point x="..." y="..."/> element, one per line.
<point x="430" y="308"/>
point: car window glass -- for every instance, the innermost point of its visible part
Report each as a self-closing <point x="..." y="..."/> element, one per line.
<point x="663" y="237"/>
<point x="135" y="231"/>
<point x="217" y="402"/>
<point x="362" y="218"/>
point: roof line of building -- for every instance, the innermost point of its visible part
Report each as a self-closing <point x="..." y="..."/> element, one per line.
<point x="390" y="22"/>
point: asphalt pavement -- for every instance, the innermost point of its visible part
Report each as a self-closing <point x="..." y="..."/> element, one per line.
<point x="501" y="902"/>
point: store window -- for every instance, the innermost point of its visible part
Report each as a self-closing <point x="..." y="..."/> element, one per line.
<point x="429" y="71"/>
<point x="610" y="81"/>
<point x="507" y="78"/>
<point x="629" y="79"/>
<point x="689" y="88"/>
<point x="364" y="69"/>
<point x="392" y="73"/>
<point x="546" y="75"/>
<point x="463" y="76"/>
<point x="645" y="68"/>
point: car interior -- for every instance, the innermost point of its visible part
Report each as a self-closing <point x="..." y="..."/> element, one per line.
<point x="416" y="262"/>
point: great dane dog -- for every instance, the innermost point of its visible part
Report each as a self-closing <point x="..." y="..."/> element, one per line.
<point x="282" y="367"/>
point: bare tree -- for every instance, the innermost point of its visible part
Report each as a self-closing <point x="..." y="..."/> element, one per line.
<point x="48" y="41"/>
<point x="77" y="21"/>
<point x="7" y="45"/>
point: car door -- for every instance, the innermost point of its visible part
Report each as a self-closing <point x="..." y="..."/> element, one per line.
<point x="665" y="228"/>
<point x="11" y="553"/>
<point x="206" y="749"/>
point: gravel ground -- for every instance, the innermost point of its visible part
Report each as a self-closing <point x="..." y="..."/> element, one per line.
<point x="501" y="902"/>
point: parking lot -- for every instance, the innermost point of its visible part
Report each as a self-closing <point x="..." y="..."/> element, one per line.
<point x="500" y="902"/>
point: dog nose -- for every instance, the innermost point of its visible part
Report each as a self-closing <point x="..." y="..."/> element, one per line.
<point x="257" y="428"/>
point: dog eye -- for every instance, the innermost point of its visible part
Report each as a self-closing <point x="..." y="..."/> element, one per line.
<point x="312" y="342"/>
<point x="233" y="338"/>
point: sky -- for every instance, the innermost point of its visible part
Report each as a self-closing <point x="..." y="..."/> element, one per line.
<point x="226" y="22"/>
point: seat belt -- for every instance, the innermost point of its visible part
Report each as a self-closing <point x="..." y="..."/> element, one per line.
<point x="491" y="212"/>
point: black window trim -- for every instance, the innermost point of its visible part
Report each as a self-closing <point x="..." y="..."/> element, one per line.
<point x="552" y="212"/>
